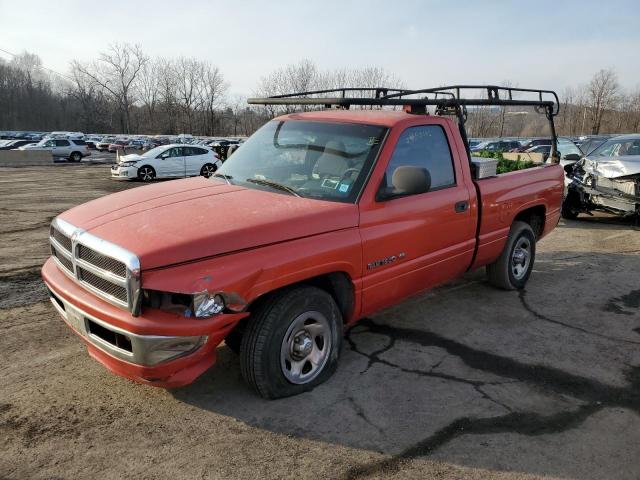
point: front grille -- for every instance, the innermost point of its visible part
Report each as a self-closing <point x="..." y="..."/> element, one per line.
<point x="105" y="286"/>
<point x="101" y="261"/>
<point x="61" y="238"/>
<point x="66" y="263"/>
<point x="107" y="270"/>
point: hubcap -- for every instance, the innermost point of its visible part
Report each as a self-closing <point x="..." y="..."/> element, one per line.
<point x="146" y="174"/>
<point x="208" y="171"/>
<point x="521" y="258"/>
<point x="305" y="347"/>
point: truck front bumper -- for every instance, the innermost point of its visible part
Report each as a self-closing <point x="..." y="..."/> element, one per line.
<point x="156" y="348"/>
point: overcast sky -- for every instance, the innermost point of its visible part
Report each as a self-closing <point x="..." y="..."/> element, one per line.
<point x="541" y="44"/>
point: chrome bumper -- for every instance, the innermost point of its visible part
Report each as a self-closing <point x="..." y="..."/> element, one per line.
<point x="142" y="350"/>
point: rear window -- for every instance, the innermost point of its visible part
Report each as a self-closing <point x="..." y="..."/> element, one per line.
<point x="79" y="142"/>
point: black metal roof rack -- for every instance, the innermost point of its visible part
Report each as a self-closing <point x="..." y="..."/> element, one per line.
<point x="452" y="100"/>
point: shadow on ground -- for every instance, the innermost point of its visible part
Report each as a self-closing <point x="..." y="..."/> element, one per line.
<point x="450" y="366"/>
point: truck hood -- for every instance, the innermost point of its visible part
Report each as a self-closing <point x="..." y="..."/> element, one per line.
<point x="183" y="220"/>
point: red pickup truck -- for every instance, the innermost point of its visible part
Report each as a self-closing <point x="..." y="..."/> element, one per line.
<point x="319" y="219"/>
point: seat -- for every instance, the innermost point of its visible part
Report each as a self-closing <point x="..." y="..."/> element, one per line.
<point x="330" y="164"/>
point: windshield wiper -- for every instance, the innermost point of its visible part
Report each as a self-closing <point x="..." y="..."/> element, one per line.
<point x="222" y="175"/>
<point x="272" y="184"/>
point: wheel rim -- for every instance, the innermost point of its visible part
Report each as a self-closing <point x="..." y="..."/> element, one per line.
<point x="208" y="170"/>
<point x="146" y="174"/>
<point x="75" y="157"/>
<point x="521" y="258"/>
<point x="305" y="347"/>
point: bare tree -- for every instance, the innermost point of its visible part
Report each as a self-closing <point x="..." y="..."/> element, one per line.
<point x="117" y="71"/>
<point x="602" y="96"/>
<point x="213" y="90"/>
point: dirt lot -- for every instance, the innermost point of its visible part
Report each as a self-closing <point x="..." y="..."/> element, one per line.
<point x="461" y="382"/>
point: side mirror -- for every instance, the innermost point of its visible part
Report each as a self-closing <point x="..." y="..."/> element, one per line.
<point x="406" y="180"/>
<point x="164" y="155"/>
<point x="572" y="157"/>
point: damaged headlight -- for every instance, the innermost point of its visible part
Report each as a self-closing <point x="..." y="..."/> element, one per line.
<point x="207" y="305"/>
<point x="203" y="304"/>
<point x="128" y="164"/>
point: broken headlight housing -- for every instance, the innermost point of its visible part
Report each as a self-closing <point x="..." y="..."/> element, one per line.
<point x="203" y="304"/>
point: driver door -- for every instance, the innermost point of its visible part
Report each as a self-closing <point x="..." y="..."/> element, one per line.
<point x="413" y="242"/>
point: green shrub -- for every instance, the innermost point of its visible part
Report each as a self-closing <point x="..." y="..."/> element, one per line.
<point x="505" y="165"/>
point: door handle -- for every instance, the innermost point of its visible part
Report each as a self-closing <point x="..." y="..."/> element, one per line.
<point x="461" y="207"/>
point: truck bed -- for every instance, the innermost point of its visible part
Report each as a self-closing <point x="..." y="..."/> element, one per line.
<point x="503" y="197"/>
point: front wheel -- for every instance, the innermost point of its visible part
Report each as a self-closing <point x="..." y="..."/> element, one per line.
<point x="512" y="269"/>
<point x="292" y="343"/>
<point x="146" y="173"/>
<point x="207" y="170"/>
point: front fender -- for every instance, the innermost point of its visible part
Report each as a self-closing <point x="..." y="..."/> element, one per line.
<point x="254" y="272"/>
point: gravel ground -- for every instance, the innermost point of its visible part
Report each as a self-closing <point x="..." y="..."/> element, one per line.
<point x="461" y="382"/>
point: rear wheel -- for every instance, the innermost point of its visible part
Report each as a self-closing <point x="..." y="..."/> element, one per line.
<point x="146" y="173"/>
<point x="512" y="269"/>
<point x="75" y="157"/>
<point x="292" y="343"/>
<point x="207" y="170"/>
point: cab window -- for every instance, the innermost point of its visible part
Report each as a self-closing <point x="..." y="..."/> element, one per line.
<point x="425" y="147"/>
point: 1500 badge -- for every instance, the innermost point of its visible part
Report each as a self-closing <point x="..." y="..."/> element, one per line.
<point x="385" y="261"/>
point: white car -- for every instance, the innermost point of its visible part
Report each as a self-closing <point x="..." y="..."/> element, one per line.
<point x="167" y="161"/>
<point x="71" y="148"/>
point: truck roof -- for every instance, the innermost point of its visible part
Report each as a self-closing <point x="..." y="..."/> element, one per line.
<point x="387" y="118"/>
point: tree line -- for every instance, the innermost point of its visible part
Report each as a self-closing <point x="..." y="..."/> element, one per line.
<point x="124" y="90"/>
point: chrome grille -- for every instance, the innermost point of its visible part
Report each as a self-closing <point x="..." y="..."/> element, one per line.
<point x="61" y="238"/>
<point x="105" y="286"/>
<point x="101" y="261"/>
<point x="101" y="267"/>
<point x="63" y="259"/>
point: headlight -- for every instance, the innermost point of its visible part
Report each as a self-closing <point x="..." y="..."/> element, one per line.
<point x="207" y="305"/>
<point x="200" y="305"/>
<point x="128" y="164"/>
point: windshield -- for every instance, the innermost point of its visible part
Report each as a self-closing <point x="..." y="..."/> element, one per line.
<point x="154" y="152"/>
<point x="328" y="161"/>
<point x="618" y="147"/>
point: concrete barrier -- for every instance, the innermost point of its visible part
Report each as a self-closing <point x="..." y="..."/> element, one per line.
<point x="524" y="156"/>
<point x="25" y="158"/>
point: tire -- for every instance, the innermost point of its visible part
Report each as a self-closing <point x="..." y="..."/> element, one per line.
<point x="284" y="333"/>
<point x="512" y="269"/>
<point x="146" y="173"/>
<point x="208" y="169"/>
<point x="75" y="156"/>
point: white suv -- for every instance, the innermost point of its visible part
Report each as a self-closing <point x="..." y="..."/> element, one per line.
<point x="71" y="148"/>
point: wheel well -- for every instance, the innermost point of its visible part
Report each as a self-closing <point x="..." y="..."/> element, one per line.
<point x="535" y="217"/>
<point x="336" y="284"/>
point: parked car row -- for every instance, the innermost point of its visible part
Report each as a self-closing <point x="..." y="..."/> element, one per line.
<point x="76" y="145"/>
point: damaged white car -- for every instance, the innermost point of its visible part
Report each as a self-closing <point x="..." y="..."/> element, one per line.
<point x="608" y="179"/>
